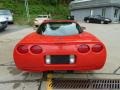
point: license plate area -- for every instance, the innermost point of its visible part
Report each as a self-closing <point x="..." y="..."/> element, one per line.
<point x="60" y="59"/>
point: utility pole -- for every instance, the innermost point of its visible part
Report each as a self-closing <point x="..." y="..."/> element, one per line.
<point x="27" y="10"/>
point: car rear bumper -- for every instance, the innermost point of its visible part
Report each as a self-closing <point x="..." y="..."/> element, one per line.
<point x="82" y="63"/>
<point x="59" y="68"/>
<point x="3" y="25"/>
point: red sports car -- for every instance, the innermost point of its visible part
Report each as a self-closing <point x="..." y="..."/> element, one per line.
<point x="60" y="45"/>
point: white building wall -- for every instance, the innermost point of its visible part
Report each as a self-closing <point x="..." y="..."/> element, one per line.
<point x="81" y="13"/>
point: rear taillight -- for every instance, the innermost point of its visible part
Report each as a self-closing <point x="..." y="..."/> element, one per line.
<point x="97" y="48"/>
<point x="83" y="48"/>
<point x="36" y="49"/>
<point x="23" y="49"/>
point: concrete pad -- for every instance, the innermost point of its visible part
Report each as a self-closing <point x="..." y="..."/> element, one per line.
<point x="34" y="76"/>
<point x="81" y="89"/>
<point x="44" y="86"/>
<point x="109" y="34"/>
<point x="31" y="86"/>
<point x="11" y="73"/>
<point x="117" y="70"/>
<point x="20" y="86"/>
<point x="8" y="42"/>
<point x="11" y="86"/>
<point x="70" y="76"/>
<point x="103" y="76"/>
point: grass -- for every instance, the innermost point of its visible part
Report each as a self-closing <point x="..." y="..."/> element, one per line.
<point x="57" y="12"/>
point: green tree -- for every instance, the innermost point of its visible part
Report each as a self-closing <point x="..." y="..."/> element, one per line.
<point x="51" y="2"/>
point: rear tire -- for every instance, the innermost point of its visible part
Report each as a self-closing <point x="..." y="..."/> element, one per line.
<point x="102" y="22"/>
<point x="87" y="21"/>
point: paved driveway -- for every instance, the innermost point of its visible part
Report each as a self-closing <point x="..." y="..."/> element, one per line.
<point x="13" y="79"/>
<point x="110" y="35"/>
<point x="13" y="28"/>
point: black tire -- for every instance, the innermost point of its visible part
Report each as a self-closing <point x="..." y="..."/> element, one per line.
<point x="88" y="21"/>
<point x="106" y="22"/>
<point x="11" y="22"/>
<point x="70" y="71"/>
<point x="102" y="22"/>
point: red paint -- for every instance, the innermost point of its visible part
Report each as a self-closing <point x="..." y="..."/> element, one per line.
<point x="36" y="49"/>
<point x="37" y="46"/>
<point x="83" y="48"/>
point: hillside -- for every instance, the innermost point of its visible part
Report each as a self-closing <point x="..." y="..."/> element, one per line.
<point x="57" y="8"/>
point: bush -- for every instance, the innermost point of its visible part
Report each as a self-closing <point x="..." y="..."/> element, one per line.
<point x="36" y="7"/>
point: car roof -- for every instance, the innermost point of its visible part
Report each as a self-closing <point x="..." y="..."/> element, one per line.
<point x="4" y="10"/>
<point x="47" y="21"/>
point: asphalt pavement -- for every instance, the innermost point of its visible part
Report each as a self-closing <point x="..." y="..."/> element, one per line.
<point x="13" y="28"/>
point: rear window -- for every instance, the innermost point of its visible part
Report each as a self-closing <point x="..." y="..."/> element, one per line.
<point x="59" y="29"/>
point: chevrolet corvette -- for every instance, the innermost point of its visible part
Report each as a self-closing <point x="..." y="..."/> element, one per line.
<point x="59" y="45"/>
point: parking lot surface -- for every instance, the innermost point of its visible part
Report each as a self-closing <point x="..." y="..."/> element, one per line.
<point x="13" y="28"/>
<point x="14" y="79"/>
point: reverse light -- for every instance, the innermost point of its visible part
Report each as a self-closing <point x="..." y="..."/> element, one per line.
<point x="72" y="59"/>
<point x="97" y="48"/>
<point x="48" y="61"/>
<point x="36" y="49"/>
<point x="23" y="49"/>
<point x="83" y="48"/>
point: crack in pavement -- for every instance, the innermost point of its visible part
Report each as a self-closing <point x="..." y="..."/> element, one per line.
<point x="1" y="65"/>
<point x="115" y="71"/>
<point x="17" y="84"/>
<point x="19" y="81"/>
<point x="8" y="64"/>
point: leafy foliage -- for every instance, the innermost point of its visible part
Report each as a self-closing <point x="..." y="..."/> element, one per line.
<point x="57" y="8"/>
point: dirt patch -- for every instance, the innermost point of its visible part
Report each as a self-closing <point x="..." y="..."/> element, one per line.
<point x="14" y="70"/>
<point x="16" y="85"/>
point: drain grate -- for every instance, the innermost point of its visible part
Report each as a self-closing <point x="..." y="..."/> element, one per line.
<point x="85" y="84"/>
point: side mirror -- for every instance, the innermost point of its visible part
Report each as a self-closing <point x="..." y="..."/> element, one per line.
<point x="83" y="28"/>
